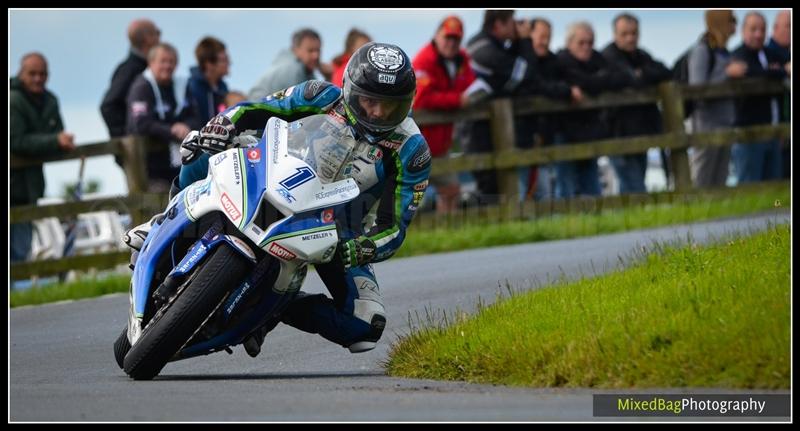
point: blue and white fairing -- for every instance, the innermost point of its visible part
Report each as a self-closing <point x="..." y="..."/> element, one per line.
<point x="299" y="168"/>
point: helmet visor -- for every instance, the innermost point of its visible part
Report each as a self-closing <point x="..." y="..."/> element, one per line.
<point x="375" y="112"/>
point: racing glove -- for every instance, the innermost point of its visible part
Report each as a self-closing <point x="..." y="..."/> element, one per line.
<point x="189" y="148"/>
<point x="358" y="251"/>
<point x="217" y="135"/>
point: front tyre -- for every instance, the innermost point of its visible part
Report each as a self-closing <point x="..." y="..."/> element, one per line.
<point x="121" y="348"/>
<point x="164" y="336"/>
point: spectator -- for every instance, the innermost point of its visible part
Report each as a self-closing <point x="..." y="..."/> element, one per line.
<point x="583" y="66"/>
<point x="781" y="39"/>
<point x="35" y="130"/>
<point x="355" y="39"/>
<point x="540" y="181"/>
<point x="505" y="65"/>
<point x="757" y="161"/>
<point x="709" y="165"/>
<point x="443" y="74"/>
<point x="291" y="67"/>
<point x="780" y="42"/>
<point x="637" y="120"/>
<point x="206" y="87"/>
<point x="234" y="98"/>
<point x="143" y="35"/>
<point x="159" y="108"/>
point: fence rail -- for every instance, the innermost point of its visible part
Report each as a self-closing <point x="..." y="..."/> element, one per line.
<point x="505" y="158"/>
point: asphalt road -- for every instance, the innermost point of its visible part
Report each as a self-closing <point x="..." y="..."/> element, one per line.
<point x="61" y="365"/>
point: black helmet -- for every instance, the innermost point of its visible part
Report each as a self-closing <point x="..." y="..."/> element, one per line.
<point x="378" y="90"/>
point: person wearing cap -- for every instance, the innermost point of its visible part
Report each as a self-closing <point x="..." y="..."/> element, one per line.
<point x="443" y="74"/>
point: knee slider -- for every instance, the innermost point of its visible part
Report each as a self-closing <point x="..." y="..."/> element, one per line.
<point x="369" y="341"/>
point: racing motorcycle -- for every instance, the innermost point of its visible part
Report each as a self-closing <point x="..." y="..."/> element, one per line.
<point x="232" y="250"/>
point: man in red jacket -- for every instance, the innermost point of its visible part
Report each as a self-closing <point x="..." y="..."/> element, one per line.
<point x="443" y="74"/>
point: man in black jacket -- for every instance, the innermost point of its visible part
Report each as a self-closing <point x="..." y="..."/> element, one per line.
<point x="502" y="57"/>
<point x="143" y="35"/>
<point x="548" y="128"/>
<point x="635" y="120"/>
<point x="581" y="65"/>
<point x="760" y="160"/>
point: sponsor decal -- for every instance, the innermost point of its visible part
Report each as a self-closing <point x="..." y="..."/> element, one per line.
<point x="327" y="215"/>
<point x="421" y="186"/>
<point x="314" y="88"/>
<point x="420" y="160"/>
<point x="368" y="284"/>
<point x="197" y="191"/>
<point x="219" y="158"/>
<point x="417" y="198"/>
<point x="339" y="118"/>
<point x="236" y="174"/>
<point x="318" y="235"/>
<point x="385" y="58"/>
<point x="193" y="258"/>
<point x="374" y="153"/>
<point x="230" y="207"/>
<point x="254" y="155"/>
<point x="280" y="252"/>
<point x="302" y="176"/>
<point x="285" y="193"/>
<point x="412" y="207"/>
<point x="392" y="145"/>
<point x="276" y="140"/>
<point x="245" y="287"/>
<point x="343" y="190"/>
<point x="385" y="78"/>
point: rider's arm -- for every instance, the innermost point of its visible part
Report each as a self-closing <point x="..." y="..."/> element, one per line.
<point x="301" y="100"/>
<point x="406" y="179"/>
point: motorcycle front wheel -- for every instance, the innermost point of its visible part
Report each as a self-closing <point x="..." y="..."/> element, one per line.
<point x="164" y="336"/>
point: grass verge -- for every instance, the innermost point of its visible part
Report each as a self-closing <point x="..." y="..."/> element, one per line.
<point x="716" y="316"/>
<point x="563" y="226"/>
<point x="84" y="288"/>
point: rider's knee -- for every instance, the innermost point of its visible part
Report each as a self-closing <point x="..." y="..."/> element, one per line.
<point x="373" y="314"/>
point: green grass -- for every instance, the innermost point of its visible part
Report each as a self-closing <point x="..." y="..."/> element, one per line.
<point x="563" y="226"/>
<point x="716" y="316"/>
<point x="85" y="288"/>
<point x="426" y="241"/>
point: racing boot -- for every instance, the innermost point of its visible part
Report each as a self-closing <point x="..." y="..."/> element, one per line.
<point x="134" y="237"/>
<point x="252" y="344"/>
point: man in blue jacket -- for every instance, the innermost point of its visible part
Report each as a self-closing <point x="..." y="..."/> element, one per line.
<point x="379" y="87"/>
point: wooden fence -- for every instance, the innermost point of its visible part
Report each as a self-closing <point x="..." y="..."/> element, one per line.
<point x="504" y="159"/>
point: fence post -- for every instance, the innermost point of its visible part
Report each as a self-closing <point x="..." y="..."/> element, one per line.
<point x="501" y="120"/>
<point x="672" y="104"/>
<point x="134" y="162"/>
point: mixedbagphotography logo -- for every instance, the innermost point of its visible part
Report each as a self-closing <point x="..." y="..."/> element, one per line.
<point x="681" y="405"/>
